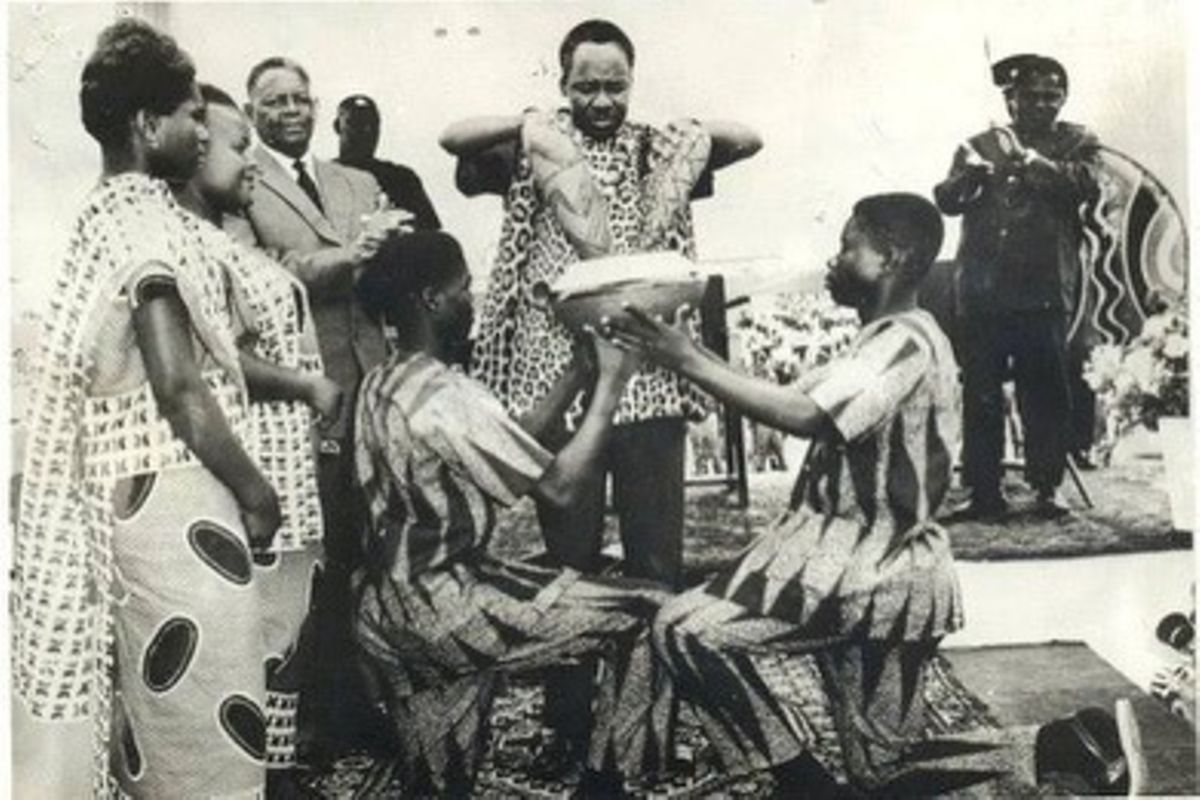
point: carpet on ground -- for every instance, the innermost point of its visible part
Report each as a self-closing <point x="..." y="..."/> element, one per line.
<point x="958" y="721"/>
<point x="1130" y="514"/>
<point x="984" y="706"/>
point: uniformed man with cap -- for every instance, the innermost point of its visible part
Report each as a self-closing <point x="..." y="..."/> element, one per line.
<point x="1018" y="189"/>
<point x="357" y="127"/>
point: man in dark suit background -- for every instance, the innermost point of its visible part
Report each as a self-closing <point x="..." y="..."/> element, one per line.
<point x="325" y="222"/>
<point x="357" y="126"/>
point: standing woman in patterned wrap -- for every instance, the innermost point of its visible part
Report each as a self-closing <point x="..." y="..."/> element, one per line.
<point x="287" y="384"/>
<point x="578" y="183"/>
<point x="134" y="602"/>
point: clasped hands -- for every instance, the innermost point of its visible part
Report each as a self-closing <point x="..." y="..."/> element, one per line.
<point x="1019" y="155"/>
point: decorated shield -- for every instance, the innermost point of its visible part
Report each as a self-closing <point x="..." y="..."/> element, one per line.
<point x="1134" y="253"/>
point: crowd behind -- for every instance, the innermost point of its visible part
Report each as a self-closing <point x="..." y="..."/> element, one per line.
<point x="266" y="453"/>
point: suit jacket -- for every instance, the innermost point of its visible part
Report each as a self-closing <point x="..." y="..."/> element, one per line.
<point x="282" y="219"/>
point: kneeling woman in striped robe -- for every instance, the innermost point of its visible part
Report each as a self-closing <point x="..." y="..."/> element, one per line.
<point x="438" y="618"/>
<point x="855" y="576"/>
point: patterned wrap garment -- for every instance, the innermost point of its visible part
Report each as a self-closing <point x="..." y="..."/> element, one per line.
<point x="439" y="618"/>
<point x="276" y="324"/>
<point x="94" y="422"/>
<point x="854" y="585"/>
<point x="521" y="349"/>
<point x="858" y="555"/>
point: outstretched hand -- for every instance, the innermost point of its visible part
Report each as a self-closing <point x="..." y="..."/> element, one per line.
<point x="669" y="345"/>
<point x="377" y="228"/>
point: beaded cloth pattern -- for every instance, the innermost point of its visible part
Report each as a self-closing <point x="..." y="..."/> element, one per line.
<point x="271" y="306"/>
<point x="82" y="443"/>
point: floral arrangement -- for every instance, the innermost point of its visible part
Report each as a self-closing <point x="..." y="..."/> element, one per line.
<point x="784" y="336"/>
<point x="1146" y="379"/>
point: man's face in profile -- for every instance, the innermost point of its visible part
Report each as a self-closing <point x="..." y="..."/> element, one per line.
<point x="597" y="86"/>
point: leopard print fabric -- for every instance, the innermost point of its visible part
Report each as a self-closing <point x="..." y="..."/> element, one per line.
<point x="521" y="349"/>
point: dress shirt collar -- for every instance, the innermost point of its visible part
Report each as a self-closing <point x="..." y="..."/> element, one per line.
<point x="288" y="162"/>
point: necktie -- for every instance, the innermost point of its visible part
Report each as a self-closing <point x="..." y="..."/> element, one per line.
<point x="306" y="183"/>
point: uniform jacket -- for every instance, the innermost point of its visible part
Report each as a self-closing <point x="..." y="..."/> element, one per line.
<point x="1021" y="226"/>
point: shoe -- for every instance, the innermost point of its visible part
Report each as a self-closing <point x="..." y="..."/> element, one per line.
<point x="1083" y="461"/>
<point x="1175" y="630"/>
<point x="1082" y="754"/>
<point x="1047" y="505"/>
<point x="985" y="509"/>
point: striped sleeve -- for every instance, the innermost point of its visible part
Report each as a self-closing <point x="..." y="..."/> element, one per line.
<point x="862" y="390"/>
<point x="470" y="430"/>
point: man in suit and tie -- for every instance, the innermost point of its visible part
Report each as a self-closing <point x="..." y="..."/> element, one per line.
<point x="325" y="222"/>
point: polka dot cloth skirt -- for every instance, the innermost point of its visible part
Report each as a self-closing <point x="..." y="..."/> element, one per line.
<point x="189" y="717"/>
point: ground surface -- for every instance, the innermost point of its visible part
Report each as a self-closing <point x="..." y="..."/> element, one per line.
<point x="1130" y="514"/>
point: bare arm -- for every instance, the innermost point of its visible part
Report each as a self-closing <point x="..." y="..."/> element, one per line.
<point x="561" y="175"/>
<point x="731" y="142"/>
<point x="329" y="274"/>
<point x="473" y="135"/>
<point x="564" y="479"/>
<point x="162" y="325"/>
<point x="762" y="400"/>
<point x="545" y="421"/>
<point x="267" y="381"/>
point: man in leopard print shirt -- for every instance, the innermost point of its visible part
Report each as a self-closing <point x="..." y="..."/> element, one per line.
<point x="579" y="183"/>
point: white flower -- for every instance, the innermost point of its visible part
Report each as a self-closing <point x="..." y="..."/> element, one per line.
<point x="1103" y="366"/>
<point x="1141" y="366"/>
<point x="1175" y="346"/>
<point x="1155" y="327"/>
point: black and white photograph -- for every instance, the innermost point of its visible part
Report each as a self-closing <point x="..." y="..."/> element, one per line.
<point x="600" y="399"/>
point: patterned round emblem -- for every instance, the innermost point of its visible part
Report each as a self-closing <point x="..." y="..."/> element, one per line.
<point x="169" y="653"/>
<point x="243" y="721"/>
<point x="221" y="549"/>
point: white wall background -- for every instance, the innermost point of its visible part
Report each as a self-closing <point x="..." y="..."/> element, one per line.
<point x="851" y="96"/>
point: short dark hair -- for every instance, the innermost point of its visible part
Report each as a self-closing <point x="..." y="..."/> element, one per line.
<point x="215" y="96"/>
<point x="596" y="31"/>
<point x="405" y="266"/>
<point x="905" y="222"/>
<point x="133" y="68"/>
<point x="274" y="62"/>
